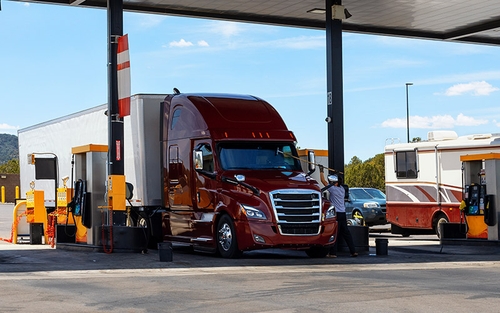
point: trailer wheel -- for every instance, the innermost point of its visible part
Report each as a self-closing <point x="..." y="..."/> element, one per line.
<point x="440" y="219"/>
<point x="227" y="245"/>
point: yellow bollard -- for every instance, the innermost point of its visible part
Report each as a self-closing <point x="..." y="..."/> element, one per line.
<point x="3" y="194"/>
<point x="17" y="192"/>
<point x="15" y="219"/>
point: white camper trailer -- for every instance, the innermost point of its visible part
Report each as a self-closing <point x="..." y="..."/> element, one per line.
<point x="424" y="180"/>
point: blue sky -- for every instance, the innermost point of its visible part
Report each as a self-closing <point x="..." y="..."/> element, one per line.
<point x="53" y="63"/>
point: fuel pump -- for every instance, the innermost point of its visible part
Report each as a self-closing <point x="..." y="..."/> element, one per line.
<point x="474" y="210"/>
<point x="36" y="214"/>
<point x="481" y="185"/>
<point x="66" y="223"/>
<point x="115" y="212"/>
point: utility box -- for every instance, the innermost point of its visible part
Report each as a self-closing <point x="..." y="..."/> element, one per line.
<point x="36" y="215"/>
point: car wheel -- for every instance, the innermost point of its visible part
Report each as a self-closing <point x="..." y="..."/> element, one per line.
<point x="358" y="216"/>
<point x="227" y="245"/>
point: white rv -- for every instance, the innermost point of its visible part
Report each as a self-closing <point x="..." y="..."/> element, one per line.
<point x="424" y="180"/>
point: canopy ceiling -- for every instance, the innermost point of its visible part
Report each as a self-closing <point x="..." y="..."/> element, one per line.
<point x="475" y="21"/>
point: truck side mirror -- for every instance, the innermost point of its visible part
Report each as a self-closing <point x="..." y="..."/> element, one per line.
<point x="198" y="160"/>
<point x="311" y="159"/>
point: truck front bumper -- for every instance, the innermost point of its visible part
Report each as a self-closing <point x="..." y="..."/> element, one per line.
<point x="259" y="235"/>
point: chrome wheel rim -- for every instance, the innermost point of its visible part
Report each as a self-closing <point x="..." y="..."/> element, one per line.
<point x="225" y="237"/>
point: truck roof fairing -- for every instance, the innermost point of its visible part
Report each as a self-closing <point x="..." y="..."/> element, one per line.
<point x="233" y="116"/>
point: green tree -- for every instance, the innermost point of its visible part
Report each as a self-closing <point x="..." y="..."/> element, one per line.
<point x="10" y="167"/>
<point x="370" y="173"/>
<point x="8" y="148"/>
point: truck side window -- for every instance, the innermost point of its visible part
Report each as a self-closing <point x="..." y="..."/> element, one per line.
<point x="175" y="118"/>
<point x="406" y="164"/>
<point x="288" y="156"/>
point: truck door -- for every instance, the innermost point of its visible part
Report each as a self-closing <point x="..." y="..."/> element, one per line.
<point x="179" y="193"/>
<point x="204" y="187"/>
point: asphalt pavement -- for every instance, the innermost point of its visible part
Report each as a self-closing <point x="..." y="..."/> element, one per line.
<point x="413" y="272"/>
<point x="422" y="248"/>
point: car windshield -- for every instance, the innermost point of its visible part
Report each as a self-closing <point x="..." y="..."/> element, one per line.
<point x="368" y="193"/>
<point x="375" y="193"/>
<point x="258" y="155"/>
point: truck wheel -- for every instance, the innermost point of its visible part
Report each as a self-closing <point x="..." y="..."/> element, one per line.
<point x="317" y="252"/>
<point x="227" y="245"/>
<point x="441" y="219"/>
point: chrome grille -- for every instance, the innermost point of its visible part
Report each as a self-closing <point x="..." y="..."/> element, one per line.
<point x="297" y="211"/>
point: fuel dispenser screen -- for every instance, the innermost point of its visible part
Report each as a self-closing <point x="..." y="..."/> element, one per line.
<point x="476" y="199"/>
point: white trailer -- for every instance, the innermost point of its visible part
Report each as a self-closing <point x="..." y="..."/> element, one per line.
<point x="424" y="180"/>
<point x="57" y="138"/>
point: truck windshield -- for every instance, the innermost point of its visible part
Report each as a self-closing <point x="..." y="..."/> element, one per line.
<point x="258" y="156"/>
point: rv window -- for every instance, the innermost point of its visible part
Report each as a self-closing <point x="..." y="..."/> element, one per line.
<point x="406" y="164"/>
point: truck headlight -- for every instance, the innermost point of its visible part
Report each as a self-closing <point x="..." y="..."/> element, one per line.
<point x="252" y="212"/>
<point x="370" y="205"/>
<point x="330" y="213"/>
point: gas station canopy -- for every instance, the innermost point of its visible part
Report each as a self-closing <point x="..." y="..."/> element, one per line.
<point x="476" y="21"/>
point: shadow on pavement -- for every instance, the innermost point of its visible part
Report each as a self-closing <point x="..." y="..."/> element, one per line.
<point x="39" y="258"/>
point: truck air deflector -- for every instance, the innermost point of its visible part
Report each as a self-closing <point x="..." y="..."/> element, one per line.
<point x="297" y="211"/>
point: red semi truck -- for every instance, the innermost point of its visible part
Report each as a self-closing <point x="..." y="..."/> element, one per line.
<point x="232" y="179"/>
<point x="216" y="171"/>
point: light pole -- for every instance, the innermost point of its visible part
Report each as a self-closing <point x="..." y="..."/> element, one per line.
<point x="407" y="114"/>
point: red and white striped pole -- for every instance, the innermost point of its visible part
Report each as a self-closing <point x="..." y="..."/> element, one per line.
<point x="123" y="69"/>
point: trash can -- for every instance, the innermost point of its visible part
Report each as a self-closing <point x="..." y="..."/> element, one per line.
<point x="381" y="246"/>
<point x="360" y="237"/>
<point x="165" y="251"/>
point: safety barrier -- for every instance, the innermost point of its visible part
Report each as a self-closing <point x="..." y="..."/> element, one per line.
<point x="16" y="218"/>
<point x="2" y="196"/>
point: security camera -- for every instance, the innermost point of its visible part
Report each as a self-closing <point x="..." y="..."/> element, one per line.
<point x="328" y="119"/>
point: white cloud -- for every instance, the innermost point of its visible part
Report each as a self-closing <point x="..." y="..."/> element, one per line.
<point x="203" y="43"/>
<point x="298" y="43"/>
<point x="226" y="29"/>
<point x="463" y="120"/>
<point x="181" y="44"/>
<point x="6" y="128"/>
<point x="150" y="20"/>
<point x="302" y="42"/>
<point x="478" y="88"/>
<point x="434" y="122"/>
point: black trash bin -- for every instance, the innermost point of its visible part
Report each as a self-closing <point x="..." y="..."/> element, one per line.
<point x="381" y="246"/>
<point x="360" y="237"/>
<point x="165" y="251"/>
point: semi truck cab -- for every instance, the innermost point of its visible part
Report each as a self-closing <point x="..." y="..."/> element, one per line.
<point x="232" y="179"/>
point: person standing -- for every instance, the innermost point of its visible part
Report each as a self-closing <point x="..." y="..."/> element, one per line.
<point x="337" y="196"/>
